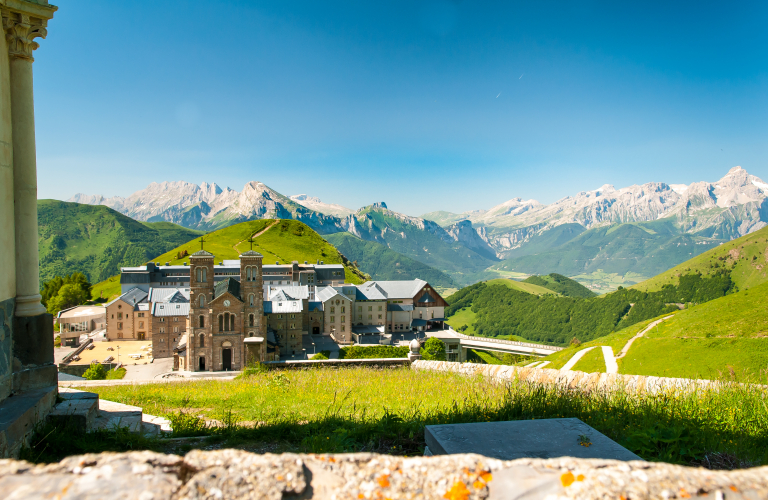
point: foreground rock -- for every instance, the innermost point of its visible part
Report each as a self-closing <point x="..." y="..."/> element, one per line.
<point x="242" y="475"/>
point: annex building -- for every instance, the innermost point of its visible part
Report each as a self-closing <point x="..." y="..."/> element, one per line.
<point x="215" y="317"/>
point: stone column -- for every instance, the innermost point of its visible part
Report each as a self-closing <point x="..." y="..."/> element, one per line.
<point x="23" y="21"/>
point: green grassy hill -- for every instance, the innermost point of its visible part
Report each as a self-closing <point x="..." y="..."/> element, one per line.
<point x="561" y="284"/>
<point x="723" y="338"/>
<point x="383" y="263"/>
<point x="277" y="240"/>
<point x="97" y="240"/>
<point x="522" y="286"/>
<point x="745" y="257"/>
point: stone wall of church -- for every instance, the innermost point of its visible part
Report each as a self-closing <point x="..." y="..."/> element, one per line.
<point x="6" y="347"/>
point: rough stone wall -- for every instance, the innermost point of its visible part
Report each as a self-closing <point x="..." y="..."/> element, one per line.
<point x="6" y="347"/>
<point x="572" y="379"/>
<point x="237" y="474"/>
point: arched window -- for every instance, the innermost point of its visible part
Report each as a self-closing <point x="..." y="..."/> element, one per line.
<point x="205" y="275"/>
<point x="202" y="340"/>
<point x="221" y="323"/>
<point x="198" y="275"/>
<point x="250" y="300"/>
<point x="202" y="300"/>
<point x="250" y="320"/>
<point x="232" y="323"/>
<point x="226" y="322"/>
<point x="248" y="274"/>
<point x="202" y="321"/>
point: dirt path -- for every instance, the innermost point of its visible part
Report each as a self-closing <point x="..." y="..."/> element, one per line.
<point x="646" y="330"/>
<point x="255" y="235"/>
<point x="575" y="359"/>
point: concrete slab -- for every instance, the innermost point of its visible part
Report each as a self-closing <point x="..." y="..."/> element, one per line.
<point x="546" y="438"/>
<point x="112" y="415"/>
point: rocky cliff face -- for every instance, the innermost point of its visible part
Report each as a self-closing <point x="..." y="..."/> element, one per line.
<point x="314" y="203"/>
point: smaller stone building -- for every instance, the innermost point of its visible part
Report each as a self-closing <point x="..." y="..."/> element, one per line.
<point x="128" y="316"/>
<point x="337" y="312"/>
<point x="169" y="323"/>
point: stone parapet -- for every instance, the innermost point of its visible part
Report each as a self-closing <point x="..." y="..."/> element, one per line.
<point x="336" y="363"/>
<point x="571" y="379"/>
<point x="237" y="474"/>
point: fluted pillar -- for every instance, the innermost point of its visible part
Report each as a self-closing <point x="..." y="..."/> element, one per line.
<point x="23" y="21"/>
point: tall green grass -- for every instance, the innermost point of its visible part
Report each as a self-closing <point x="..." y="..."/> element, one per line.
<point x="385" y="410"/>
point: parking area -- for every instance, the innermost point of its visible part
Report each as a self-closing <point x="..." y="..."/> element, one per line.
<point x="128" y="352"/>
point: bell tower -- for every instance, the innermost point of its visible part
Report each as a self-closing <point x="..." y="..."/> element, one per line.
<point x="252" y="292"/>
<point x="200" y="340"/>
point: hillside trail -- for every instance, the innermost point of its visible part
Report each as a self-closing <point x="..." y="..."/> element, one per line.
<point x="256" y="235"/>
<point x="611" y="364"/>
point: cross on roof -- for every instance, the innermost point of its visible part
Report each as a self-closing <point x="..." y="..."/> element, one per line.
<point x="201" y="242"/>
<point x="250" y="240"/>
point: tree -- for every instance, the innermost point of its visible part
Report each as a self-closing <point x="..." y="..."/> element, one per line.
<point x="50" y="289"/>
<point x="433" y="350"/>
<point x="68" y="296"/>
<point x="95" y="372"/>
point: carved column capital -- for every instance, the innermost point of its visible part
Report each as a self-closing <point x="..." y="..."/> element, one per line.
<point x="23" y="21"/>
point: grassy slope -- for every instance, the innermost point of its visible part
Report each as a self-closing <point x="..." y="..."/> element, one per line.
<point x="706" y="340"/>
<point x="283" y="241"/>
<point x="97" y="240"/>
<point x="562" y="285"/>
<point x="385" y="264"/>
<point x="522" y="286"/>
<point x="592" y="362"/>
<point x="463" y="317"/>
<point x="748" y="253"/>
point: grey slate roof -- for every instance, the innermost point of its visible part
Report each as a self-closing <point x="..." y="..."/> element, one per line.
<point x="399" y="307"/>
<point x="162" y="309"/>
<point x="267" y="307"/>
<point x="132" y="296"/>
<point x="251" y="253"/>
<point x="315" y="306"/>
<point x="370" y="291"/>
<point x="230" y="285"/>
<point x="292" y="291"/>
<point x="328" y="292"/>
<point x="401" y="289"/>
<point x="168" y="295"/>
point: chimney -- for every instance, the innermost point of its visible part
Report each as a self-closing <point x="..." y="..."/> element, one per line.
<point x="167" y="263"/>
<point x="277" y="263"/>
<point x="305" y="262"/>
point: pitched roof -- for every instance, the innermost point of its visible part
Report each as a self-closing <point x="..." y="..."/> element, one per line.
<point x="287" y="306"/>
<point x="426" y="298"/>
<point x="230" y="285"/>
<point x="168" y="295"/>
<point x="162" y="309"/>
<point x="370" y="291"/>
<point x="202" y="253"/>
<point x="291" y="291"/>
<point x="251" y="253"/>
<point x="327" y="293"/>
<point x="315" y="306"/>
<point x="132" y="296"/>
<point x="401" y="289"/>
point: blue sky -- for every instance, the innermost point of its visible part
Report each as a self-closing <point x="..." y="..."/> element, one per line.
<point x="425" y="105"/>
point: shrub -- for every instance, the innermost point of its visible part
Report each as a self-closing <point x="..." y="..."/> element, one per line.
<point x="117" y="374"/>
<point x="319" y="356"/>
<point x="57" y="341"/>
<point x="373" y="351"/>
<point x="433" y="350"/>
<point x="95" y="372"/>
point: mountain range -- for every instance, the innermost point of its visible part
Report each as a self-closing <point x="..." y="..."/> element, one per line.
<point x="639" y="230"/>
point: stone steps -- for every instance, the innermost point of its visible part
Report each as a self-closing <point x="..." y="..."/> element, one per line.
<point x="90" y="413"/>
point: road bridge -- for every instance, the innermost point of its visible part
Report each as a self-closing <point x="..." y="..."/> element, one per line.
<point x="457" y="344"/>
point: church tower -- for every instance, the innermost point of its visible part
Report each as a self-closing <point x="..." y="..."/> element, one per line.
<point x="200" y="339"/>
<point x="252" y="292"/>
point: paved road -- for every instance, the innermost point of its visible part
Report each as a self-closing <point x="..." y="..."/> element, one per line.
<point x="148" y="371"/>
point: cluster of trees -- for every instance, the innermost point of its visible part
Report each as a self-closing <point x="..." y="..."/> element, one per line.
<point x="557" y="320"/>
<point x="181" y="254"/>
<point x="62" y="293"/>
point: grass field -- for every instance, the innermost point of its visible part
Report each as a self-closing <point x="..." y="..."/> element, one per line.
<point x="602" y="282"/>
<point x="592" y="362"/>
<point x="463" y="317"/>
<point x="523" y="287"/>
<point x="106" y="290"/>
<point x="385" y="410"/>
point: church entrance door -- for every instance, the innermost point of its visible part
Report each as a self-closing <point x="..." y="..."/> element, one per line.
<point x="201" y="364"/>
<point x="226" y="356"/>
<point x="315" y="330"/>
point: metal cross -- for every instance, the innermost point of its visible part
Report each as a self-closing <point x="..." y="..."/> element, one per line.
<point x="250" y="240"/>
<point x="201" y="242"/>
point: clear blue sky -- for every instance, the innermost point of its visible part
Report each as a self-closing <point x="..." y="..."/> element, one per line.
<point x="425" y="105"/>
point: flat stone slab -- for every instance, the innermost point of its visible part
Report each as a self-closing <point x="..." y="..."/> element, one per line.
<point x="546" y="438"/>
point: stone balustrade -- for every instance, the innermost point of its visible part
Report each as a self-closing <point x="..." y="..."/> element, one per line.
<point x="238" y="474"/>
